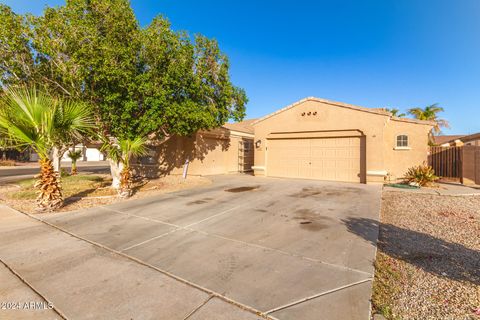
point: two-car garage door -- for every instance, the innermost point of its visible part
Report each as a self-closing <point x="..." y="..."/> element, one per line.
<point x="336" y="159"/>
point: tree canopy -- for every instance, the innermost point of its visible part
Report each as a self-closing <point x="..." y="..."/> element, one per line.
<point x="430" y="113"/>
<point x="141" y="81"/>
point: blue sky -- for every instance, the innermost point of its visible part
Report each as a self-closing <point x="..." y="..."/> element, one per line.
<point x="383" y="53"/>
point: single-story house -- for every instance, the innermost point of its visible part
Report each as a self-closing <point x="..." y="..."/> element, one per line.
<point x="458" y="140"/>
<point x="228" y="149"/>
<point x="446" y="140"/>
<point x="327" y="140"/>
<point x="90" y="152"/>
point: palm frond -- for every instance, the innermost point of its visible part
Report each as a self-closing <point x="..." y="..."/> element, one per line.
<point x="74" y="155"/>
<point x="32" y="118"/>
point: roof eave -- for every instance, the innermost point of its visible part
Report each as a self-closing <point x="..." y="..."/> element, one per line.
<point x="335" y="103"/>
<point x="416" y="121"/>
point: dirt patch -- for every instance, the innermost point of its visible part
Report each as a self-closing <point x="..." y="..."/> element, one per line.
<point x="428" y="259"/>
<point x="103" y="195"/>
<point x="242" y="189"/>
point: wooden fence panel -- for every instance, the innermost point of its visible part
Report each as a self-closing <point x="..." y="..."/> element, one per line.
<point x="446" y="161"/>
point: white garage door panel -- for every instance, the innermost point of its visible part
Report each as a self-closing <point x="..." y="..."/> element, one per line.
<point x="336" y="159"/>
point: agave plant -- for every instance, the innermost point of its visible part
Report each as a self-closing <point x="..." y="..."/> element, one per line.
<point x="32" y="118"/>
<point x="121" y="153"/>
<point x="74" y="155"/>
<point x="422" y="175"/>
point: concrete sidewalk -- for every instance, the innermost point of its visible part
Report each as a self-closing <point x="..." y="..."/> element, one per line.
<point x="84" y="281"/>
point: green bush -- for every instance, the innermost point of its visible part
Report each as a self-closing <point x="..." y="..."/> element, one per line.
<point x="421" y="175"/>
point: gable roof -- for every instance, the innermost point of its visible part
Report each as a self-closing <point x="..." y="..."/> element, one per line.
<point x="377" y="111"/>
<point x="242" y="126"/>
<point x="447" y="138"/>
<point x="471" y="137"/>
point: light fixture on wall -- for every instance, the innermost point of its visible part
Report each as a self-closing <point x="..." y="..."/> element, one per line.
<point x="258" y="143"/>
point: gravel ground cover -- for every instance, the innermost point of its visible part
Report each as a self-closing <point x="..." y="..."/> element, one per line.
<point x="21" y="196"/>
<point x="428" y="259"/>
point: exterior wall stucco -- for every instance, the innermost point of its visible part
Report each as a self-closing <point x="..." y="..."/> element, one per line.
<point x="207" y="152"/>
<point x="378" y="131"/>
<point x="398" y="160"/>
<point x="327" y="118"/>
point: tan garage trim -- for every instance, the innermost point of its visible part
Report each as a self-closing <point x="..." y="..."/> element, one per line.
<point x="331" y="158"/>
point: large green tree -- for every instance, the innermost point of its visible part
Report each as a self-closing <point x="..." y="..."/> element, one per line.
<point x="16" y="54"/>
<point x="143" y="82"/>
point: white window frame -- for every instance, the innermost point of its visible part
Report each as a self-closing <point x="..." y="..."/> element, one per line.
<point x="402" y="147"/>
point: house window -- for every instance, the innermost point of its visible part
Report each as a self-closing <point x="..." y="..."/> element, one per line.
<point x="402" y="141"/>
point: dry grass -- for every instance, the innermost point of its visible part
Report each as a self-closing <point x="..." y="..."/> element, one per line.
<point x="7" y="163"/>
<point x="428" y="260"/>
<point x="89" y="190"/>
<point x="88" y="185"/>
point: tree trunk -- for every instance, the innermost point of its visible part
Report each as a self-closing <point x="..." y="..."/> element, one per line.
<point x="57" y="155"/>
<point x="73" y="171"/>
<point x="50" y="195"/>
<point x="115" y="170"/>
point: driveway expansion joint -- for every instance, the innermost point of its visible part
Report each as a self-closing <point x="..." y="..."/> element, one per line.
<point x="198" y="307"/>
<point x="318" y="295"/>
<point x="171" y="275"/>
<point x="29" y="285"/>
<point x="188" y="228"/>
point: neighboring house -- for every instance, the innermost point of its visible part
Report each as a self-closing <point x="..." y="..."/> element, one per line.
<point x="90" y="152"/>
<point x="228" y="149"/>
<point x="445" y="140"/>
<point x="321" y="139"/>
<point x="458" y="140"/>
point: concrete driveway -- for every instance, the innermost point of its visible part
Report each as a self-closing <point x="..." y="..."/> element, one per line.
<point x="242" y="248"/>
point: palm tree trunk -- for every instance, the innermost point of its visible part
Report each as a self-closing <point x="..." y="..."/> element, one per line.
<point x="57" y="155"/>
<point x="50" y="195"/>
<point x="74" y="168"/>
<point x="125" y="182"/>
<point x="116" y="170"/>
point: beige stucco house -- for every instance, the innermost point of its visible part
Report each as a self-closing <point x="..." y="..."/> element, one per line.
<point x="228" y="149"/>
<point x="321" y="139"/>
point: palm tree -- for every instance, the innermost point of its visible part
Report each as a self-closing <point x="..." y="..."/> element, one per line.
<point x="34" y="119"/>
<point x="74" y="155"/>
<point x="121" y="153"/>
<point x="396" y="112"/>
<point x="429" y="113"/>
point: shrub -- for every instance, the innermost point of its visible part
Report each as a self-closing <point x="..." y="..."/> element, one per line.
<point x="421" y="175"/>
<point x="7" y="163"/>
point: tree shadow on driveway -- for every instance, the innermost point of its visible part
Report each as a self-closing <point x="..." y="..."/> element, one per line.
<point x="433" y="255"/>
